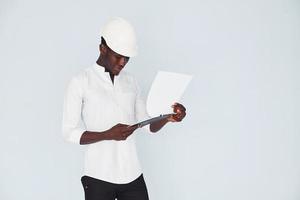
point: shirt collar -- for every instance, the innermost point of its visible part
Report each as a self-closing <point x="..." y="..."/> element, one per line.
<point x="100" y="70"/>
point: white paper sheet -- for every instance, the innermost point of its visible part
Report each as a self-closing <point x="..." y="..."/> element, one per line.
<point x="167" y="88"/>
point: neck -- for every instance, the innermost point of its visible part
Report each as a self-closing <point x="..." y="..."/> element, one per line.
<point x="101" y="62"/>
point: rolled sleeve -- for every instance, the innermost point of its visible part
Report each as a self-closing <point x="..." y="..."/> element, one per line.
<point x="71" y="126"/>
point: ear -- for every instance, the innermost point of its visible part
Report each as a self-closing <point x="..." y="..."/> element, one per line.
<point x="102" y="49"/>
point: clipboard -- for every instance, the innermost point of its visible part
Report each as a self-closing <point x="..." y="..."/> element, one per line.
<point x="151" y="120"/>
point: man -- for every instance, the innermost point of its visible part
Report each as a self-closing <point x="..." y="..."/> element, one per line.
<point x="107" y="100"/>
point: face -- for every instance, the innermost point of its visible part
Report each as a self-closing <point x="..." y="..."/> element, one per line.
<point x="114" y="62"/>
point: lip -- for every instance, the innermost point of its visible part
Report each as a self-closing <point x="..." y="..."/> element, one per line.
<point x="119" y="68"/>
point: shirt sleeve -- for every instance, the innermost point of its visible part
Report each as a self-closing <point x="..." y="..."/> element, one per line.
<point x="71" y="128"/>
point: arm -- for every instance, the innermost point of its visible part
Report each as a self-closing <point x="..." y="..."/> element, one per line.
<point x="117" y="132"/>
<point x="71" y="127"/>
<point x="89" y="137"/>
<point x="75" y="133"/>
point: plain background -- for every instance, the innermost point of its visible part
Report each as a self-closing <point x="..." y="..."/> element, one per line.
<point x="240" y="139"/>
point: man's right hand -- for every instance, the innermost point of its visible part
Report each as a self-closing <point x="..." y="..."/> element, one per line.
<point x="120" y="132"/>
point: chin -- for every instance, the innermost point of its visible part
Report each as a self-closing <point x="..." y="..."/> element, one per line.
<point x="116" y="73"/>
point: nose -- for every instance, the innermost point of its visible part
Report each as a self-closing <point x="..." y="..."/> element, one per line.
<point x="123" y="60"/>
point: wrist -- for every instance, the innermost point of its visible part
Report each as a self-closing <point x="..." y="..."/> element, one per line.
<point x="166" y="120"/>
<point x="106" y="135"/>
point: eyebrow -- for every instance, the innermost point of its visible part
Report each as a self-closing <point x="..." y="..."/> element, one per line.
<point x="119" y="55"/>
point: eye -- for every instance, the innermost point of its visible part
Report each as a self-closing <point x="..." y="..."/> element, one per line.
<point x="117" y="56"/>
<point x="120" y="57"/>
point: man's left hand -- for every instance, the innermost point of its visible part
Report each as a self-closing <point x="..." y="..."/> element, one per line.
<point x="180" y="111"/>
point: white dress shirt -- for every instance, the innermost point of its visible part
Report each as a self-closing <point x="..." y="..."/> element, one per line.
<point x="93" y="98"/>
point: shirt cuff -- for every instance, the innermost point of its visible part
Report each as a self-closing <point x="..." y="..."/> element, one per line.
<point x="73" y="135"/>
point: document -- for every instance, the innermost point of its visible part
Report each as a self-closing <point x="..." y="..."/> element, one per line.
<point x="167" y="88"/>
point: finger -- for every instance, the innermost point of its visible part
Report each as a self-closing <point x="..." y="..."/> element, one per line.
<point x="125" y="130"/>
<point x="134" y="128"/>
<point x="181" y="115"/>
<point x="177" y="110"/>
<point x="131" y="131"/>
<point x="128" y="130"/>
<point x="131" y="128"/>
<point x="124" y="136"/>
<point x="180" y="110"/>
<point x="120" y="125"/>
<point x="171" y="119"/>
<point x="128" y="134"/>
<point x="179" y="105"/>
<point x="177" y="119"/>
<point x="174" y="104"/>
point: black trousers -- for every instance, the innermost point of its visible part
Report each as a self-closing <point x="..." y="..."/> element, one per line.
<point x="95" y="189"/>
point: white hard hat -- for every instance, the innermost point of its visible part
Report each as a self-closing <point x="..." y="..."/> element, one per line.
<point x="120" y="37"/>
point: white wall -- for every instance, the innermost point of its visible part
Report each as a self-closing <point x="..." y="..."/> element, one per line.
<point x="240" y="139"/>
